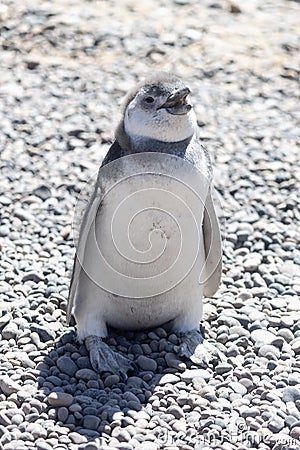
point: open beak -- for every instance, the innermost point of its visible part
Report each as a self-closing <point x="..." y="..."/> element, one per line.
<point x="177" y="102"/>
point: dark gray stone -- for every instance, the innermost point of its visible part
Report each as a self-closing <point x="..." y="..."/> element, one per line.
<point x="67" y="365"/>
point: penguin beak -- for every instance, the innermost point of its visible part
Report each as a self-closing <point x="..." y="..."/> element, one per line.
<point x="176" y="103"/>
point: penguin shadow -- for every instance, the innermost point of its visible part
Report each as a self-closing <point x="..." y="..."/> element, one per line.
<point x="105" y="405"/>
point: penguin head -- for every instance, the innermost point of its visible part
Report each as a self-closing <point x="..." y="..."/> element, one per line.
<point x="159" y="109"/>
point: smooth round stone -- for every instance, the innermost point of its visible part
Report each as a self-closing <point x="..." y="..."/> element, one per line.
<point x="62" y="414"/>
<point x="265" y="350"/>
<point x="250" y="412"/>
<point x="189" y="374"/>
<point x="276" y="424"/>
<point x="295" y="344"/>
<point x="121" y="434"/>
<point x="86" y="374"/>
<point x="294" y="379"/>
<point x="223" y="368"/>
<point x="262" y="337"/>
<point x="290" y="394"/>
<point x="295" y="433"/>
<point x="247" y="383"/>
<point x="4" y="231"/>
<point x="238" y="388"/>
<point x="148" y="445"/>
<point x="293" y="303"/>
<point x="173" y="361"/>
<point x="176" y="411"/>
<point x="9" y="386"/>
<point x="77" y="438"/>
<point x="60" y="399"/>
<point x="286" y="334"/>
<point x="168" y="378"/>
<point x="146" y="363"/>
<point x="42" y="445"/>
<point x="110" y="380"/>
<point x="290" y="421"/>
<point x="91" y="422"/>
<point x="67" y="365"/>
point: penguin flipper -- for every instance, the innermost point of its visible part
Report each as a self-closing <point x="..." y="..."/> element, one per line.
<point x="115" y="151"/>
<point x="213" y="248"/>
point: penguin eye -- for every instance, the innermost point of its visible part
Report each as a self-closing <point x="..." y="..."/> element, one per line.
<point x="149" y="99"/>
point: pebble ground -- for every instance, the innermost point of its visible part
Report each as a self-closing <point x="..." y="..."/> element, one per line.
<point x="64" y="67"/>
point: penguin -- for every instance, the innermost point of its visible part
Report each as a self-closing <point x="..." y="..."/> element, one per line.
<point x="149" y="246"/>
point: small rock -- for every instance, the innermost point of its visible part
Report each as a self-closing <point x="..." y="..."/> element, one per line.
<point x="189" y="375"/>
<point x="290" y="394"/>
<point x="77" y="438"/>
<point x="10" y="331"/>
<point x="43" y="331"/>
<point x="86" y="374"/>
<point x="33" y="276"/>
<point x="146" y="363"/>
<point x="176" y="411"/>
<point x="223" y="368"/>
<point x="62" y="414"/>
<point x="168" y="378"/>
<point x="110" y="380"/>
<point x="8" y="386"/>
<point x="174" y="362"/>
<point x="295" y="344"/>
<point x="42" y="192"/>
<point x="4" y="231"/>
<point x="264" y="350"/>
<point x="250" y="412"/>
<point x="295" y="433"/>
<point x="67" y="365"/>
<point x="239" y="388"/>
<point x="60" y="399"/>
<point x="91" y="422"/>
<point x="276" y="424"/>
<point x="261" y="337"/>
<point x="286" y="334"/>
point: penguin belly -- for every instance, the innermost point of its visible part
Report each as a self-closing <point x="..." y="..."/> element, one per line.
<point x="144" y="254"/>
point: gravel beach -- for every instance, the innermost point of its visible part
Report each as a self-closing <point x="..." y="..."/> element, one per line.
<point x="65" y="66"/>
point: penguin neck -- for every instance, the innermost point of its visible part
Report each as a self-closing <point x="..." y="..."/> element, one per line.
<point x="140" y="144"/>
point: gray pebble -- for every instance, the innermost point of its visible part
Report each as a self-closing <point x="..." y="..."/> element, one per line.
<point x="45" y="333"/>
<point x="91" y="422"/>
<point x="262" y="337"/>
<point x="276" y="424"/>
<point x="250" y="412"/>
<point x="110" y="380"/>
<point x="168" y="378"/>
<point x="86" y="374"/>
<point x="175" y="411"/>
<point x="62" y="414"/>
<point x="146" y="363"/>
<point x="239" y="388"/>
<point x="60" y="399"/>
<point x="290" y="394"/>
<point x="269" y="350"/>
<point x="223" y="368"/>
<point x="67" y="365"/>
<point x="4" y="231"/>
<point x="8" y="386"/>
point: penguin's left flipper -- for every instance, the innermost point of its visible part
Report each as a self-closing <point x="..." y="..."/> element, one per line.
<point x="197" y="349"/>
<point x="104" y="359"/>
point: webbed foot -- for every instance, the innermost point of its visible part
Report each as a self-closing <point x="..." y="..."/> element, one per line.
<point x="104" y="359"/>
<point x="197" y="349"/>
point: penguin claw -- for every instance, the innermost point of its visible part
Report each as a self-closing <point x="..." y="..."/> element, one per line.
<point x="198" y="350"/>
<point x="104" y="359"/>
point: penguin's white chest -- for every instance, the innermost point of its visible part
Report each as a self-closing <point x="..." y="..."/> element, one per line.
<point x="144" y="252"/>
